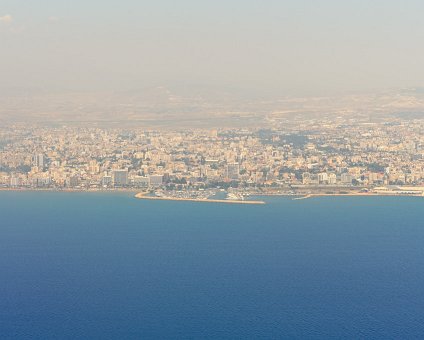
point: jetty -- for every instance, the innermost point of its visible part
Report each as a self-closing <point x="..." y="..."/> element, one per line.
<point x="145" y="196"/>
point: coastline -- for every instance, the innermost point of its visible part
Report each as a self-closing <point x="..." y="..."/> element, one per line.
<point x="142" y="195"/>
<point x="91" y="190"/>
<point x="365" y="194"/>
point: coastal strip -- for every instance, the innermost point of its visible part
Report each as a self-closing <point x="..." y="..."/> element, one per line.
<point x="144" y="196"/>
<point x="391" y="194"/>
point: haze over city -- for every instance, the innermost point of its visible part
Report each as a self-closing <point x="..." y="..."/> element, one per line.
<point x="191" y="55"/>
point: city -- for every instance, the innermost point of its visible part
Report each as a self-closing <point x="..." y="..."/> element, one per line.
<point x="331" y="156"/>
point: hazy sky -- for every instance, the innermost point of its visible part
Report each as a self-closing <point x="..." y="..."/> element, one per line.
<point x="266" y="46"/>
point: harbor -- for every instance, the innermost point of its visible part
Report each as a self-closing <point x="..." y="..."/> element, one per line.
<point x="162" y="197"/>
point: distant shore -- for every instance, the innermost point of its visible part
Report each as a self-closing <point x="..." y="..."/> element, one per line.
<point x="70" y="190"/>
<point x="356" y="194"/>
<point x="142" y="195"/>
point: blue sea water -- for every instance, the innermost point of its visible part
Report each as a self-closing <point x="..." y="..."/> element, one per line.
<point x="108" y="266"/>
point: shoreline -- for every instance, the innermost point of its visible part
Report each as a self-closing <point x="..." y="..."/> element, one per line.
<point x="69" y="190"/>
<point x="355" y="194"/>
<point x="142" y="195"/>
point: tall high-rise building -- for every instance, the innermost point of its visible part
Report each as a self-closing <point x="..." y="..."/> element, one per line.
<point x="38" y="161"/>
<point x="72" y="182"/>
<point x="233" y="171"/>
<point x="120" y="178"/>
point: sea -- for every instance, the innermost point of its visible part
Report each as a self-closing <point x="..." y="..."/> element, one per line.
<point x="109" y="266"/>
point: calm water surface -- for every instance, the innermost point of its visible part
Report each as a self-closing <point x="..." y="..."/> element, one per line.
<point x="108" y="266"/>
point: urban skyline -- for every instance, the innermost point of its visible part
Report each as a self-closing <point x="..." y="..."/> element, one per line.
<point x="335" y="155"/>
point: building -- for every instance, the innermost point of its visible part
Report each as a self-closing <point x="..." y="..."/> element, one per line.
<point x="72" y="181"/>
<point x="141" y="181"/>
<point x="15" y="181"/>
<point x="346" y="178"/>
<point x="38" y="161"/>
<point x="120" y="178"/>
<point x="332" y="178"/>
<point x="93" y="167"/>
<point x="323" y="178"/>
<point x="233" y="171"/>
<point x="156" y="180"/>
<point x="107" y="181"/>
